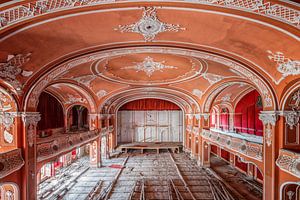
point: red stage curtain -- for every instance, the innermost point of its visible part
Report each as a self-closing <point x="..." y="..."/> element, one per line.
<point x="150" y="104"/>
<point x="51" y="112"/>
<point x="246" y="114"/>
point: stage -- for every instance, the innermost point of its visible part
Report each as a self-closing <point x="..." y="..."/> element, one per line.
<point x="173" y="146"/>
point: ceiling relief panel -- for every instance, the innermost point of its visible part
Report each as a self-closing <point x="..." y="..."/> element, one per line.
<point x="148" y="69"/>
<point x="149" y="25"/>
<point x="190" y="65"/>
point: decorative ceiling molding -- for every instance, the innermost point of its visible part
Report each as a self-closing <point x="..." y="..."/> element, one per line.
<point x="104" y="70"/>
<point x="149" y="66"/>
<point x="85" y="80"/>
<point x="213" y="95"/>
<point x="257" y="81"/>
<point x="212" y="78"/>
<point x="12" y="69"/>
<point x="285" y="66"/>
<point x="34" y="9"/>
<point x="101" y="93"/>
<point x="72" y="99"/>
<point x="227" y="97"/>
<point x="149" y="25"/>
<point x="198" y="93"/>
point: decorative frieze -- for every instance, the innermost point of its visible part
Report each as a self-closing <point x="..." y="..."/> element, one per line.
<point x="289" y="162"/>
<point x="10" y="162"/>
<point x="50" y="147"/>
<point x="27" y="11"/>
<point x="242" y="146"/>
<point x="30" y="120"/>
<point x="149" y="25"/>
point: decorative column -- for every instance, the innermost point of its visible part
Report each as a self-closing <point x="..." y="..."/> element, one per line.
<point x="30" y="120"/>
<point x="231" y="122"/>
<point x="269" y="119"/>
<point x="203" y="146"/>
<point x="95" y="153"/>
<point x="93" y="121"/>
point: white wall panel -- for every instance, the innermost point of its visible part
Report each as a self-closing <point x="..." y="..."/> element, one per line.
<point x="150" y="126"/>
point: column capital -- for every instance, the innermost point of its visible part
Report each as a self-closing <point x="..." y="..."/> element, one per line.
<point x="205" y="116"/>
<point x="30" y="120"/>
<point x="268" y="117"/>
<point x="291" y="117"/>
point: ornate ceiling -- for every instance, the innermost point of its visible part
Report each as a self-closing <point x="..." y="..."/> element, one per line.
<point x="89" y="51"/>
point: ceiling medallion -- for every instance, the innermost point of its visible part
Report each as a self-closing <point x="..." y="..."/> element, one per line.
<point x="149" y="66"/>
<point x="149" y="25"/>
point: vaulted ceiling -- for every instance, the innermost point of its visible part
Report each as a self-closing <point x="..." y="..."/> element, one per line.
<point x="90" y="51"/>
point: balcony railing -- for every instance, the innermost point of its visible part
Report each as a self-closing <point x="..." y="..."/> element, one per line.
<point x="289" y="162"/>
<point x="53" y="146"/>
<point x="252" y="148"/>
<point x="10" y="162"/>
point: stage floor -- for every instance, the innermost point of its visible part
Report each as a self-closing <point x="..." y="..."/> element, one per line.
<point x="173" y="146"/>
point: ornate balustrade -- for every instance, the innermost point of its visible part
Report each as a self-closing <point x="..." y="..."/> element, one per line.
<point x="10" y="162"/>
<point x="289" y="162"/>
<point x="50" y="147"/>
<point x="235" y="143"/>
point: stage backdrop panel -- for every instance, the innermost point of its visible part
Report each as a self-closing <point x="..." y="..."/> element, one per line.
<point x="150" y="126"/>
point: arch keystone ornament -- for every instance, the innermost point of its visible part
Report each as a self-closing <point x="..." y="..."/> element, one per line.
<point x="149" y="25"/>
<point x="268" y="118"/>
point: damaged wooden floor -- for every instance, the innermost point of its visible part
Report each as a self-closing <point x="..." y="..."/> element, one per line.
<point x="149" y="176"/>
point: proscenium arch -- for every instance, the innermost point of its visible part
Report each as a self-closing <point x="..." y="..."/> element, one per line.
<point x="257" y="80"/>
<point x="181" y="99"/>
<point x="145" y="96"/>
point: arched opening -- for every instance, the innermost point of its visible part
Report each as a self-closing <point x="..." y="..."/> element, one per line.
<point x="149" y="120"/>
<point x="290" y="191"/>
<point x="291" y="115"/>
<point x="50" y="108"/>
<point x="78" y="118"/>
<point x="9" y="191"/>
